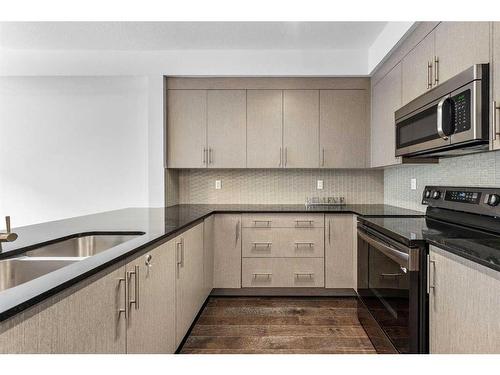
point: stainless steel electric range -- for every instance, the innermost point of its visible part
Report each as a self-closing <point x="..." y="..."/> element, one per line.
<point x="393" y="257"/>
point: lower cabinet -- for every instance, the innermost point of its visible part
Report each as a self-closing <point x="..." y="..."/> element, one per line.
<point x="340" y="251"/>
<point x="464" y="305"/>
<point x="189" y="286"/>
<point x="227" y="250"/>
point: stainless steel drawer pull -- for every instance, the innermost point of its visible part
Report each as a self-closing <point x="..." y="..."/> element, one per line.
<point x="262" y="223"/>
<point x="204" y="156"/>
<point x="266" y="245"/>
<point x="134" y="273"/>
<point x="429" y="284"/>
<point x="267" y="275"/>
<point x="436" y="70"/>
<point x="304" y="222"/>
<point x="304" y="244"/>
<point x="125" y="309"/>
<point x="429" y="75"/>
<point x="496" y="118"/>
<point x="390" y="275"/>
<point x="300" y="275"/>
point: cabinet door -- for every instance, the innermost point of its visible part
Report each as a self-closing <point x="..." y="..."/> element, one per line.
<point x="343" y="129"/>
<point x="264" y="128"/>
<point x="151" y="323"/>
<point x="208" y="254"/>
<point x="496" y="84"/>
<point x="189" y="273"/>
<point x="386" y="99"/>
<point x="460" y="45"/>
<point x="226" y="130"/>
<point x="417" y="76"/>
<point x="339" y="251"/>
<point x="186" y="128"/>
<point x="301" y="128"/>
<point x="83" y="319"/>
<point x="227" y="251"/>
<point x="464" y="305"/>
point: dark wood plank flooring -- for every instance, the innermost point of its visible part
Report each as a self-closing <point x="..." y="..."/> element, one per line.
<point x="267" y="325"/>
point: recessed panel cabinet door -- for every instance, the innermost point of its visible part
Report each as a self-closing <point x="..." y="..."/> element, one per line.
<point x="189" y="283"/>
<point x="343" y="129"/>
<point x="186" y="128"/>
<point x="496" y="84"/>
<point x="386" y="99"/>
<point x="459" y="45"/>
<point x="226" y="130"/>
<point x="417" y="74"/>
<point x="151" y="323"/>
<point x="301" y="128"/>
<point x="264" y="128"/>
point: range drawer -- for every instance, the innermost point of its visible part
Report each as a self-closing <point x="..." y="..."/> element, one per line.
<point x="283" y="272"/>
<point x="283" y="242"/>
<point x="283" y="220"/>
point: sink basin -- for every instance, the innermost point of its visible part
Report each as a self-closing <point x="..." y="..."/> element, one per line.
<point x="17" y="271"/>
<point x="83" y="245"/>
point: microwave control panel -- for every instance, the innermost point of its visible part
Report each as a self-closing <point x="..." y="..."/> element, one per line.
<point x="462" y="111"/>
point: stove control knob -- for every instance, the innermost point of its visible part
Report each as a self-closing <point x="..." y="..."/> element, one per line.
<point x="427" y="194"/>
<point x="493" y="200"/>
<point x="436" y="194"/>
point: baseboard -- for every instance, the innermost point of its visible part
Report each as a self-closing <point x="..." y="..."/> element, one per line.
<point x="283" y="292"/>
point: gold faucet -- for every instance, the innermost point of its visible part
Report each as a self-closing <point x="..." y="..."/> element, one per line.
<point x="8" y="236"/>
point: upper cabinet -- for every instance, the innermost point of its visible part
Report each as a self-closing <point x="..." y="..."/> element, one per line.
<point x="417" y="69"/>
<point x="264" y="128"/>
<point x="226" y="129"/>
<point x="343" y="129"/>
<point x="495" y="74"/>
<point x="301" y="128"/>
<point x="386" y="99"/>
<point x="186" y="128"/>
<point x="460" y="45"/>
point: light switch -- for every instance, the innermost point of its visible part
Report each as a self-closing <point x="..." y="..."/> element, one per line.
<point x="218" y="184"/>
<point x="320" y="185"/>
<point x="413" y="184"/>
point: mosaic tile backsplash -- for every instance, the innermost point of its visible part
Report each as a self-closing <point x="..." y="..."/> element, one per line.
<point x="265" y="186"/>
<point x="471" y="170"/>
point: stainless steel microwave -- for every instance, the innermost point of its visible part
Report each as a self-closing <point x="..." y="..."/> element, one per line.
<point x="451" y="119"/>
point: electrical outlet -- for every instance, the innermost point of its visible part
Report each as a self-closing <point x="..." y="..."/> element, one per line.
<point x="218" y="184"/>
<point x="320" y="185"/>
<point x="413" y="184"/>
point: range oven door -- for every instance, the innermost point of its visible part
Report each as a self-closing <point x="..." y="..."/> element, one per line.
<point x="390" y="287"/>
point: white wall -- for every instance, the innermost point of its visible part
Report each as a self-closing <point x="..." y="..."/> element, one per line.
<point x="72" y="145"/>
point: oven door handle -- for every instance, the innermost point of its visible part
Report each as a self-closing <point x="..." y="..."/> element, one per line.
<point x="398" y="256"/>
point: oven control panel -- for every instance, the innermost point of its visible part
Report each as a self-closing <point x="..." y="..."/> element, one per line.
<point x="474" y="199"/>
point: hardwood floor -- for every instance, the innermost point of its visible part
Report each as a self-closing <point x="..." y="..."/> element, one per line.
<point x="275" y="325"/>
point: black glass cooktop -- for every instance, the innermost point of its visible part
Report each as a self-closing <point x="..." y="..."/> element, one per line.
<point x="479" y="246"/>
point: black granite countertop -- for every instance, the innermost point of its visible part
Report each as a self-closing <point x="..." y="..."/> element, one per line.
<point x="478" y="246"/>
<point x="157" y="224"/>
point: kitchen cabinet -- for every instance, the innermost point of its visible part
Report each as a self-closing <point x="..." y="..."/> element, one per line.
<point x="226" y="128"/>
<point x="343" y="129"/>
<point x="495" y="75"/>
<point x="340" y="251"/>
<point x="464" y="305"/>
<point x="186" y="128"/>
<point x="189" y="288"/>
<point x="301" y="128"/>
<point x="417" y="72"/>
<point x="208" y="254"/>
<point x="460" y="45"/>
<point x="386" y="99"/>
<point x="151" y="295"/>
<point x="227" y="251"/>
<point x="264" y="128"/>
<point x="85" y="318"/>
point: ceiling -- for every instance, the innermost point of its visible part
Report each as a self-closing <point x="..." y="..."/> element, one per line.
<point x="189" y="35"/>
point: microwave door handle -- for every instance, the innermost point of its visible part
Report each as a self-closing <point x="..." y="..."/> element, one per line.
<point x="398" y="256"/>
<point x="440" y="118"/>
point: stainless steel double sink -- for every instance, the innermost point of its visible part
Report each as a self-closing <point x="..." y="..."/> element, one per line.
<point x="48" y="258"/>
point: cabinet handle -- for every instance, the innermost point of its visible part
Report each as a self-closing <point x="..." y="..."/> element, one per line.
<point x="267" y="245"/>
<point x="124" y="311"/>
<point x="304" y="244"/>
<point x="429" y="285"/>
<point x="281" y="157"/>
<point x="299" y="275"/>
<point x="268" y="275"/>
<point x="210" y="156"/>
<point x="286" y="156"/>
<point x="329" y="232"/>
<point x="267" y="222"/>
<point x="436" y="70"/>
<point x="204" y="156"/>
<point x="178" y="256"/>
<point x="323" y="157"/>
<point x="237" y="232"/>
<point x="134" y="273"/>
<point x="182" y="252"/>
<point x="429" y="75"/>
<point x="496" y="123"/>
<point x="309" y="222"/>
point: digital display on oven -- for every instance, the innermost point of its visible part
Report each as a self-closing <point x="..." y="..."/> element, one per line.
<point x="471" y="197"/>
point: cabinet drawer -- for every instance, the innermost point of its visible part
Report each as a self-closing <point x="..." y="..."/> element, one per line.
<point x="283" y="220"/>
<point x="283" y="272"/>
<point x="283" y="242"/>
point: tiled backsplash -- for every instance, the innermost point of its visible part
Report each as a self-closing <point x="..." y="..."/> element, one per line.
<point x="471" y="170"/>
<point x="268" y="186"/>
